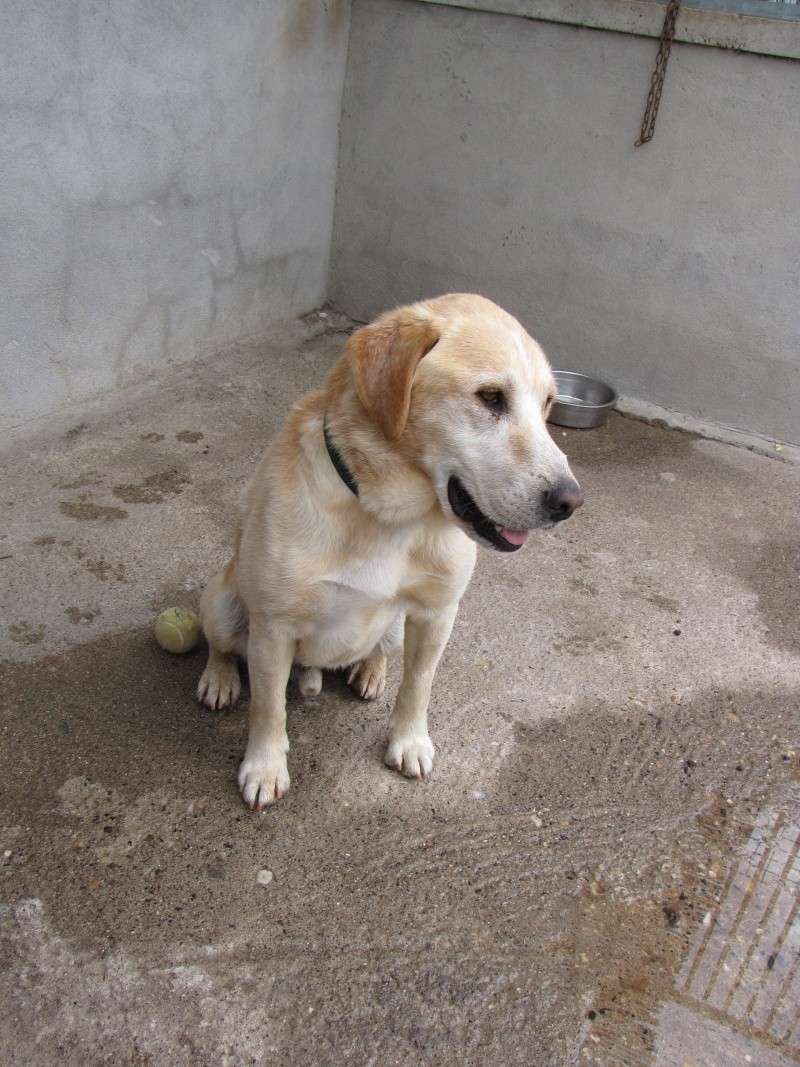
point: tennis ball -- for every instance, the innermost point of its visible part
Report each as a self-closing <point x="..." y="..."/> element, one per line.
<point x="177" y="629"/>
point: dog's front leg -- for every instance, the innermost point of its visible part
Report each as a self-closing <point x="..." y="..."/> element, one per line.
<point x="263" y="775"/>
<point x="410" y="749"/>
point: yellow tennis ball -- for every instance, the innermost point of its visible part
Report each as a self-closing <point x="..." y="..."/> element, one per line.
<point x="177" y="629"/>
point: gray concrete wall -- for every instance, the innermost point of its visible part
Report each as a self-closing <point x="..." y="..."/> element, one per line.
<point x="493" y="153"/>
<point x="167" y="170"/>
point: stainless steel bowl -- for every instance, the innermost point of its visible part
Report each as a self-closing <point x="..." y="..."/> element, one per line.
<point x="581" y="401"/>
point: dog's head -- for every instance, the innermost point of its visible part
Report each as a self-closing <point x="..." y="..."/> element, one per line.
<point x="465" y="391"/>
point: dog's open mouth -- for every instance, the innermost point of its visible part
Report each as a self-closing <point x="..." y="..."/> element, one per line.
<point x="465" y="508"/>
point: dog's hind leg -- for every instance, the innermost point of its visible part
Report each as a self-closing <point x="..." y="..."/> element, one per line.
<point x="368" y="676"/>
<point x="225" y="625"/>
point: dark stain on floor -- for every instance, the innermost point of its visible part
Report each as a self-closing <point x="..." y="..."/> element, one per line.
<point x="771" y="570"/>
<point x="621" y="441"/>
<point x="26" y="633"/>
<point x="85" y="511"/>
<point x="153" y="489"/>
<point x="659" y="762"/>
<point x="80" y="483"/>
<point x="646" y="589"/>
<point x="77" y="615"/>
<point x="106" y="571"/>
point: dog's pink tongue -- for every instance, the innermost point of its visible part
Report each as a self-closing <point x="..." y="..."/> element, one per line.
<point x="514" y="537"/>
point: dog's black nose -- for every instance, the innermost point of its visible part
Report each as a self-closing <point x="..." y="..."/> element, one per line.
<point x="562" y="500"/>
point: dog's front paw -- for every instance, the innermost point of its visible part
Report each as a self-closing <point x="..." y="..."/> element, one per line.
<point x="411" y="754"/>
<point x="263" y="779"/>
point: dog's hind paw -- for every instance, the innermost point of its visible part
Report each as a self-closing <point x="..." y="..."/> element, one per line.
<point x="368" y="676"/>
<point x="220" y="685"/>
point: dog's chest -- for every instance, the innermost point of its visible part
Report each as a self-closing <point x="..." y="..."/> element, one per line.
<point x="361" y="602"/>
<point x="377" y="579"/>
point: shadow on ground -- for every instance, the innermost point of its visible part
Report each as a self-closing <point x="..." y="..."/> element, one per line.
<point x="557" y="909"/>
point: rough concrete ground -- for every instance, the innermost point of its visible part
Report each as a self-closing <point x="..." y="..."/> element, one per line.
<point x="602" y="869"/>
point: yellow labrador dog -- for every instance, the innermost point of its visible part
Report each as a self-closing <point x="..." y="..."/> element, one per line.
<point x="359" y="528"/>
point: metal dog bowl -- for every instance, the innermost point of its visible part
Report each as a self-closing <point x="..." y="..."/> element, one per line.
<point x="581" y="401"/>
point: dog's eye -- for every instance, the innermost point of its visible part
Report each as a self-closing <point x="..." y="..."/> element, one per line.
<point x="493" y="399"/>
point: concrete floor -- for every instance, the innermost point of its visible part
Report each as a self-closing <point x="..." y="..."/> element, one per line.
<point x="603" y="868"/>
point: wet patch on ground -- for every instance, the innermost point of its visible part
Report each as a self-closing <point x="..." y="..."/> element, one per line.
<point x="26" y="633"/>
<point x="646" y="588"/>
<point x="106" y="571"/>
<point x="86" y="511"/>
<point x="82" y="482"/>
<point x="153" y="489"/>
<point x="771" y="570"/>
<point x="621" y="441"/>
<point x="77" y="614"/>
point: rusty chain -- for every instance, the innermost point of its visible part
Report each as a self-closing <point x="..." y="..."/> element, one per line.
<point x="657" y="80"/>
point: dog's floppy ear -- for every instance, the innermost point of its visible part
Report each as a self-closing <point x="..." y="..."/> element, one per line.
<point x="383" y="358"/>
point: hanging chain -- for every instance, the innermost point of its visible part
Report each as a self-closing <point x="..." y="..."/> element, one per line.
<point x="657" y="81"/>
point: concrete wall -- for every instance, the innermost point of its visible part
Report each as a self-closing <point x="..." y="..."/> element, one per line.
<point x="167" y="170"/>
<point x="492" y="153"/>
